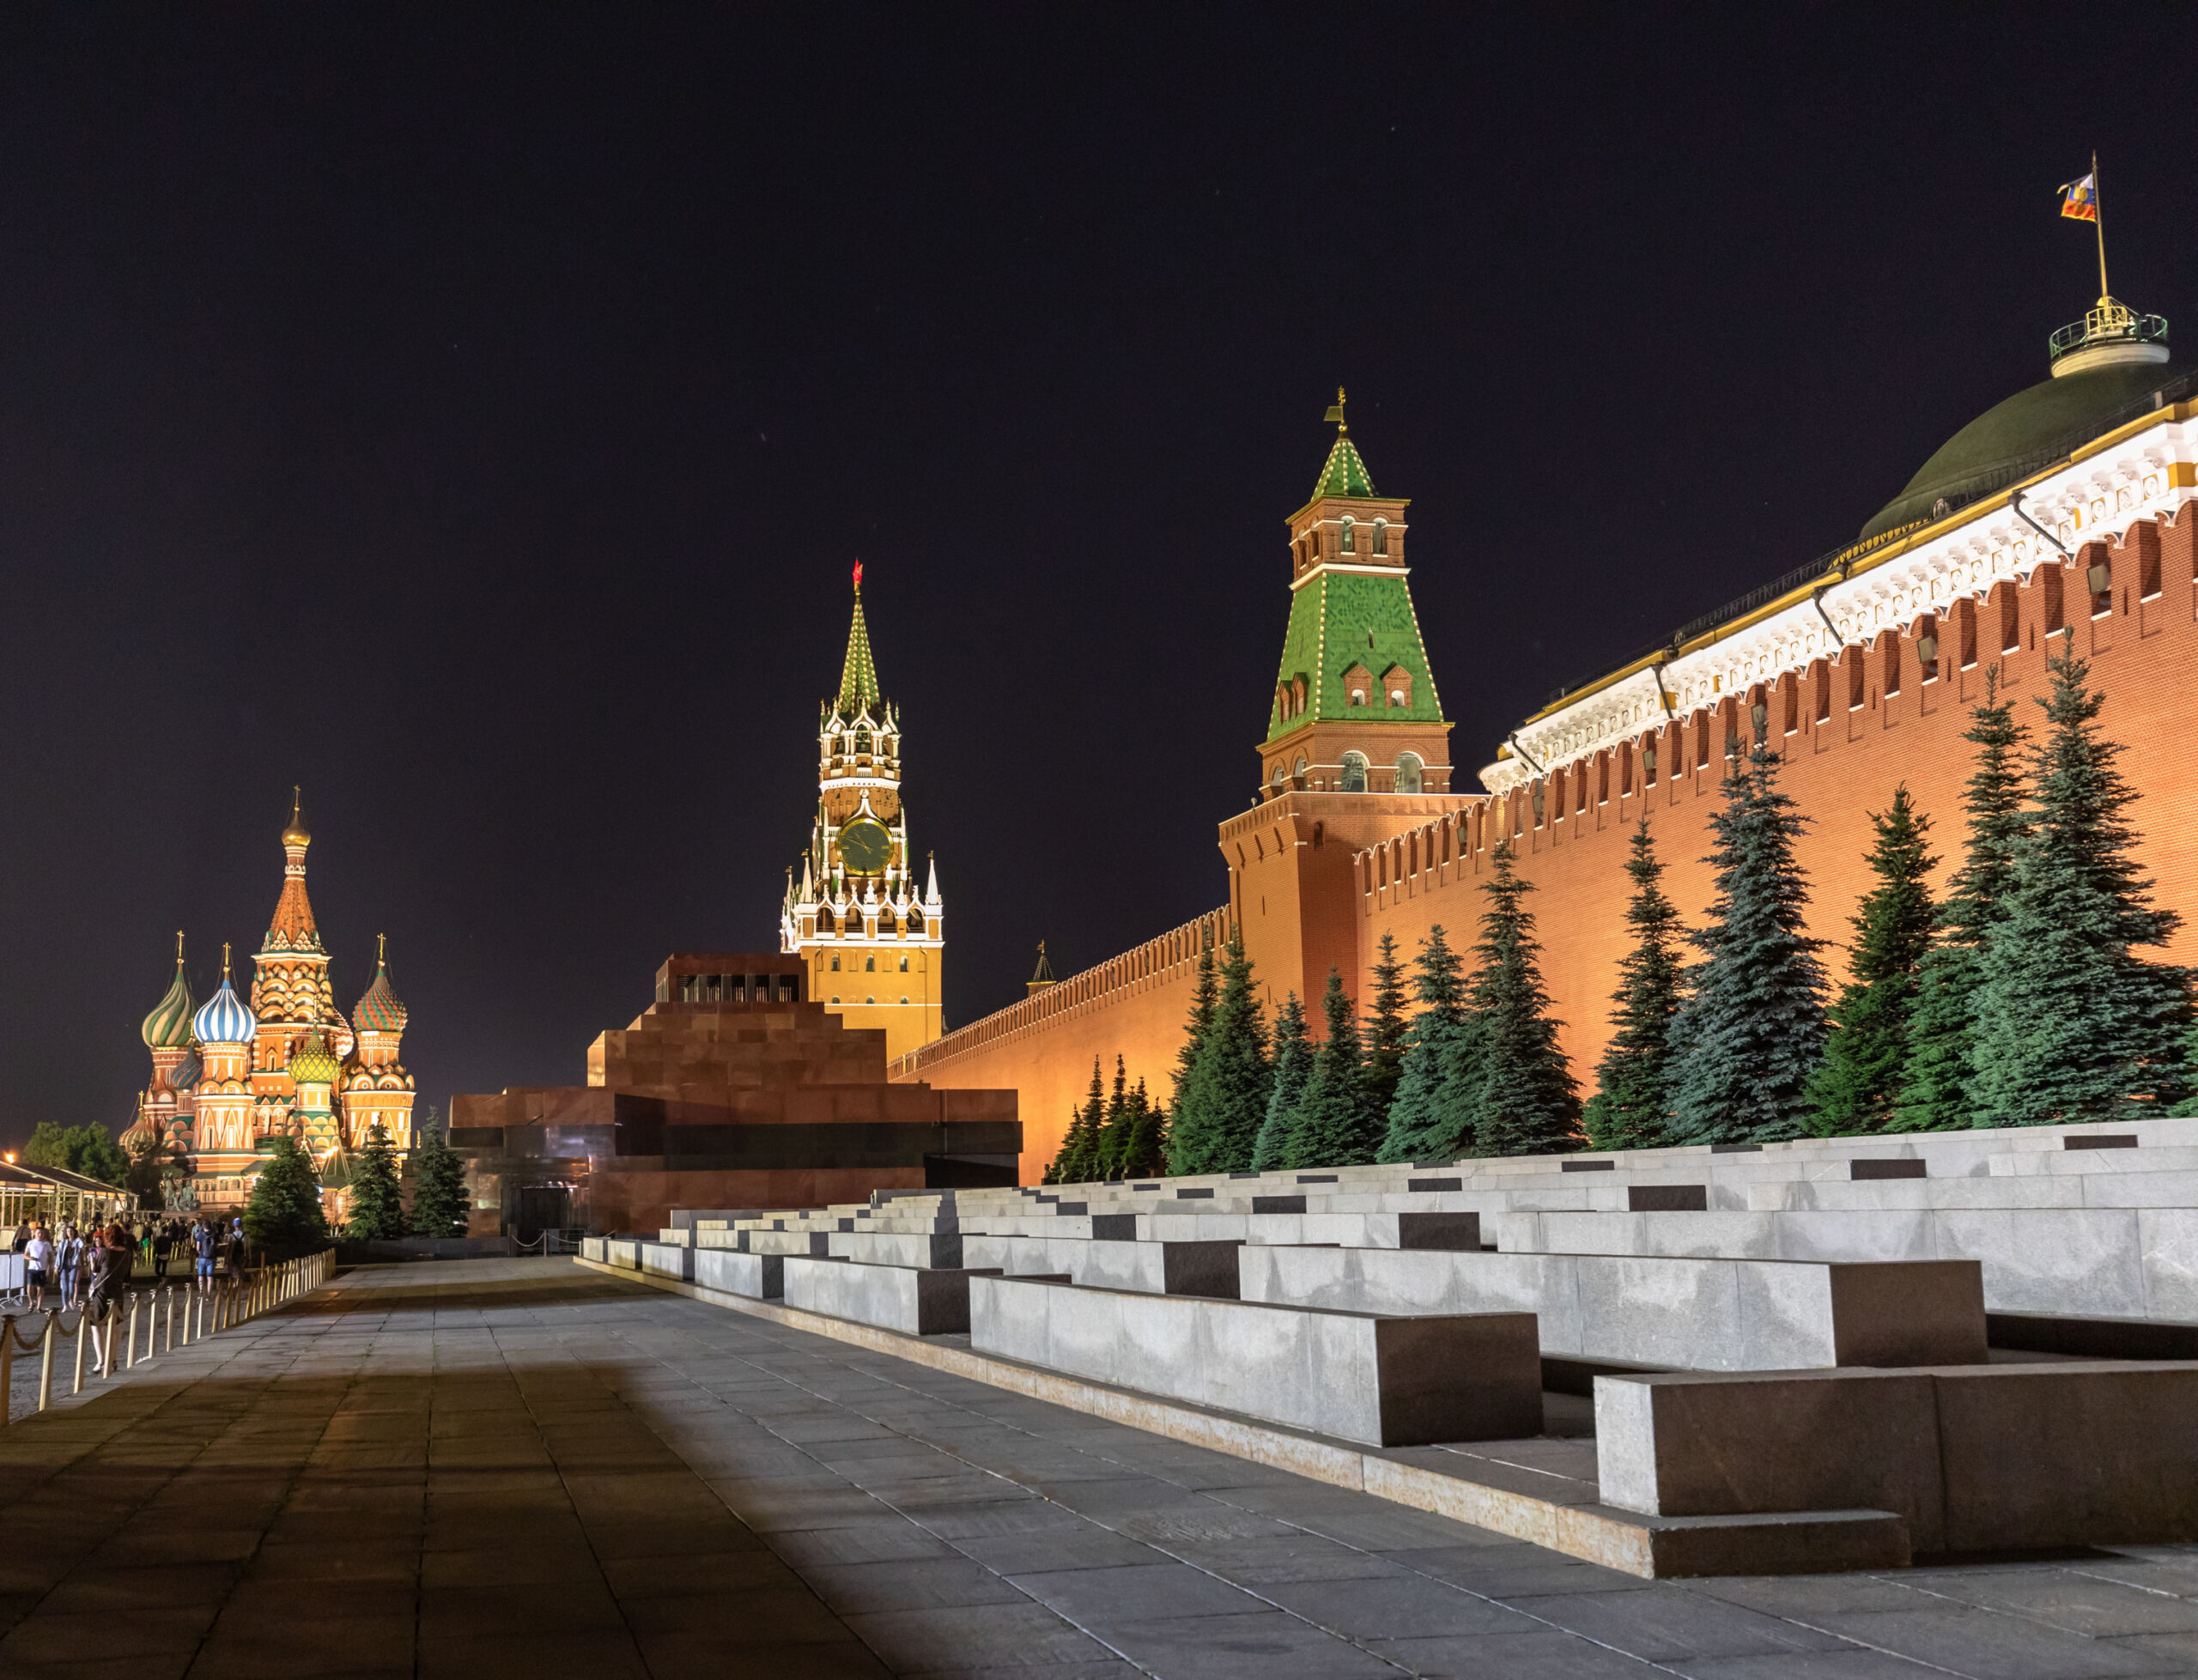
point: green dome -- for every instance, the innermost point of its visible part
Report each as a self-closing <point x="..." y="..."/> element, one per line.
<point x="2009" y="441"/>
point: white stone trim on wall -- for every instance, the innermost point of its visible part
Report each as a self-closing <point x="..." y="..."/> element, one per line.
<point x="2093" y="499"/>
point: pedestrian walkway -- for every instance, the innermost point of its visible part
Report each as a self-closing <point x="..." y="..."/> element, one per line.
<point x="515" y="1467"/>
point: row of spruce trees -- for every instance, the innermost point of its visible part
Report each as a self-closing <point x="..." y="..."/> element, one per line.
<point x="2019" y="999"/>
<point x="284" y="1219"/>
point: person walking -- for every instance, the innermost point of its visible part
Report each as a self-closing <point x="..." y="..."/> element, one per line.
<point x="163" y="1245"/>
<point x="111" y="1255"/>
<point x="68" y="1262"/>
<point x="38" y="1255"/>
<point x="203" y="1246"/>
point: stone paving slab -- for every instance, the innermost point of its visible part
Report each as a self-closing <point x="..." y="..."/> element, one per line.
<point x="483" y="1468"/>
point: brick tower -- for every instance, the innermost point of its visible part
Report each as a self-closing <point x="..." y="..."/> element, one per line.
<point x="873" y="939"/>
<point x="1356" y="748"/>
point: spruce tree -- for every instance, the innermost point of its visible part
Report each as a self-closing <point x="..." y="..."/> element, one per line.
<point x="1856" y="1087"/>
<point x="1934" y="1084"/>
<point x="1114" y="1130"/>
<point x="1205" y="998"/>
<point x="1336" y="1123"/>
<point x="1527" y="1102"/>
<point x="1293" y="1066"/>
<point x="1387" y="1029"/>
<point x="439" y="1204"/>
<point x="1224" y="1100"/>
<point x="1430" y="1118"/>
<point x="1633" y="1079"/>
<point x="377" y="1202"/>
<point x="1148" y="1152"/>
<point x="1080" y="1155"/>
<point x="1750" y="1030"/>
<point x="2071" y="1024"/>
<point x="283" y="1217"/>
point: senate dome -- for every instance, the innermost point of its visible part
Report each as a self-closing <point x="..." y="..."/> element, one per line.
<point x="2108" y="368"/>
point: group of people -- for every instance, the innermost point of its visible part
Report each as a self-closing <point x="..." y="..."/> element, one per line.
<point x="98" y="1261"/>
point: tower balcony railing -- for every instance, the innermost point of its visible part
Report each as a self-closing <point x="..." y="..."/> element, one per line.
<point x="2108" y="323"/>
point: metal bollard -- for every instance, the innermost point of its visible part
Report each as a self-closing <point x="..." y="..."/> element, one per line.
<point x="130" y="1359"/>
<point x="7" y="1361"/>
<point x="83" y="1318"/>
<point x="110" y="1336"/>
<point x="46" y="1358"/>
<point x="167" y="1299"/>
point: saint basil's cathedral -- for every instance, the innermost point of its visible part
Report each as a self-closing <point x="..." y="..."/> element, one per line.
<point x="229" y="1077"/>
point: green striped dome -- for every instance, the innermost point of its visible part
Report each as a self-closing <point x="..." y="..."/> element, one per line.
<point x="168" y="1027"/>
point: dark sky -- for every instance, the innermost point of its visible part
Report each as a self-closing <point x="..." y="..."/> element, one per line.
<point x="473" y="415"/>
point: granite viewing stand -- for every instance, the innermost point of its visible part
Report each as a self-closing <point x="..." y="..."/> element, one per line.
<point x="1384" y="1381"/>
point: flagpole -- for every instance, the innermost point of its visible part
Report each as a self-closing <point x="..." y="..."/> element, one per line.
<point x="2098" y="225"/>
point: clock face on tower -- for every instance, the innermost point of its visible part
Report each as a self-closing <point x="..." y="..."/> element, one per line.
<point x="865" y="846"/>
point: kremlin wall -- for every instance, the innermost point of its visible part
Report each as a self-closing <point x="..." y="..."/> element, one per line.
<point x="2064" y="509"/>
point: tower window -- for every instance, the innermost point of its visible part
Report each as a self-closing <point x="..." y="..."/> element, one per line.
<point x="1348" y="545"/>
<point x="1408" y="776"/>
<point x="916" y="921"/>
<point x="1381" y="537"/>
<point x="870" y="1000"/>
<point x="870" y="965"/>
<point x="904" y="969"/>
<point x="1297" y="772"/>
<point x="835" y="997"/>
<point x="1354" y="772"/>
<point x="835" y="967"/>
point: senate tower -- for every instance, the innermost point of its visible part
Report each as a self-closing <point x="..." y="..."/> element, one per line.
<point x="870" y="936"/>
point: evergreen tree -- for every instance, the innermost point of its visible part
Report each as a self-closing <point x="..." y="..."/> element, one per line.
<point x="1934" y="1084"/>
<point x="1224" y="1101"/>
<point x="2071" y="1025"/>
<point x="1430" y="1118"/>
<point x="1080" y="1155"/>
<point x="1206" y="999"/>
<point x="1857" y="1085"/>
<point x="439" y="1204"/>
<point x="1336" y="1124"/>
<point x="1115" y="1129"/>
<point x="1293" y="1066"/>
<point x="1633" y="1079"/>
<point x="1148" y="1152"/>
<point x="1387" y="1026"/>
<point x="1750" y="1030"/>
<point x="1527" y="1101"/>
<point x="283" y="1218"/>
<point x="377" y="1209"/>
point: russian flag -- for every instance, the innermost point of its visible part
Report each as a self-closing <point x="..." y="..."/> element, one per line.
<point x="2080" y="199"/>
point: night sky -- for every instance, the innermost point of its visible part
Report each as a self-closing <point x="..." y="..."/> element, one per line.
<point x="473" y="417"/>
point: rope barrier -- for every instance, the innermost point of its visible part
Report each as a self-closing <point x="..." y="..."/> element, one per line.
<point x="233" y="1301"/>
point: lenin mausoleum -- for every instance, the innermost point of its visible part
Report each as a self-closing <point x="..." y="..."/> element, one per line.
<point x="2062" y="506"/>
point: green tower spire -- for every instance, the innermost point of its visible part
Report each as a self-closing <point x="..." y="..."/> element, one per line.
<point x="1345" y="473"/>
<point x="1354" y="707"/>
<point x="859" y="678"/>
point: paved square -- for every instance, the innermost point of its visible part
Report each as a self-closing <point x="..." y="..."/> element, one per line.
<point x="491" y="1468"/>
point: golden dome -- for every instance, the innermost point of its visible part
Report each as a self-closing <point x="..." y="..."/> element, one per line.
<point x="296" y="834"/>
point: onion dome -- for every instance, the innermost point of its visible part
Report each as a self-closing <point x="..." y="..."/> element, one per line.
<point x="296" y="834"/>
<point x="378" y="1011"/>
<point x="311" y="1063"/>
<point x="169" y="1024"/>
<point x="222" y="1018"/>
<point x="185" y="1073"/>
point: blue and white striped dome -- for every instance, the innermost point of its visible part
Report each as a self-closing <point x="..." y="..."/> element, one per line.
<point x="223" y="1019"/>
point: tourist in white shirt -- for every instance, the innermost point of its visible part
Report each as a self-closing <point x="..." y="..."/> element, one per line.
<point x="38" y="1256"/>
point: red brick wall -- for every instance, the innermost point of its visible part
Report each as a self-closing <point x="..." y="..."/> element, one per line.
<point x="1303" y="907"/>
<point x="2144" y="656"/>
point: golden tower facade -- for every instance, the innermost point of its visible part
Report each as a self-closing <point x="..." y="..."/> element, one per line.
<point x="872" y="935"/>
